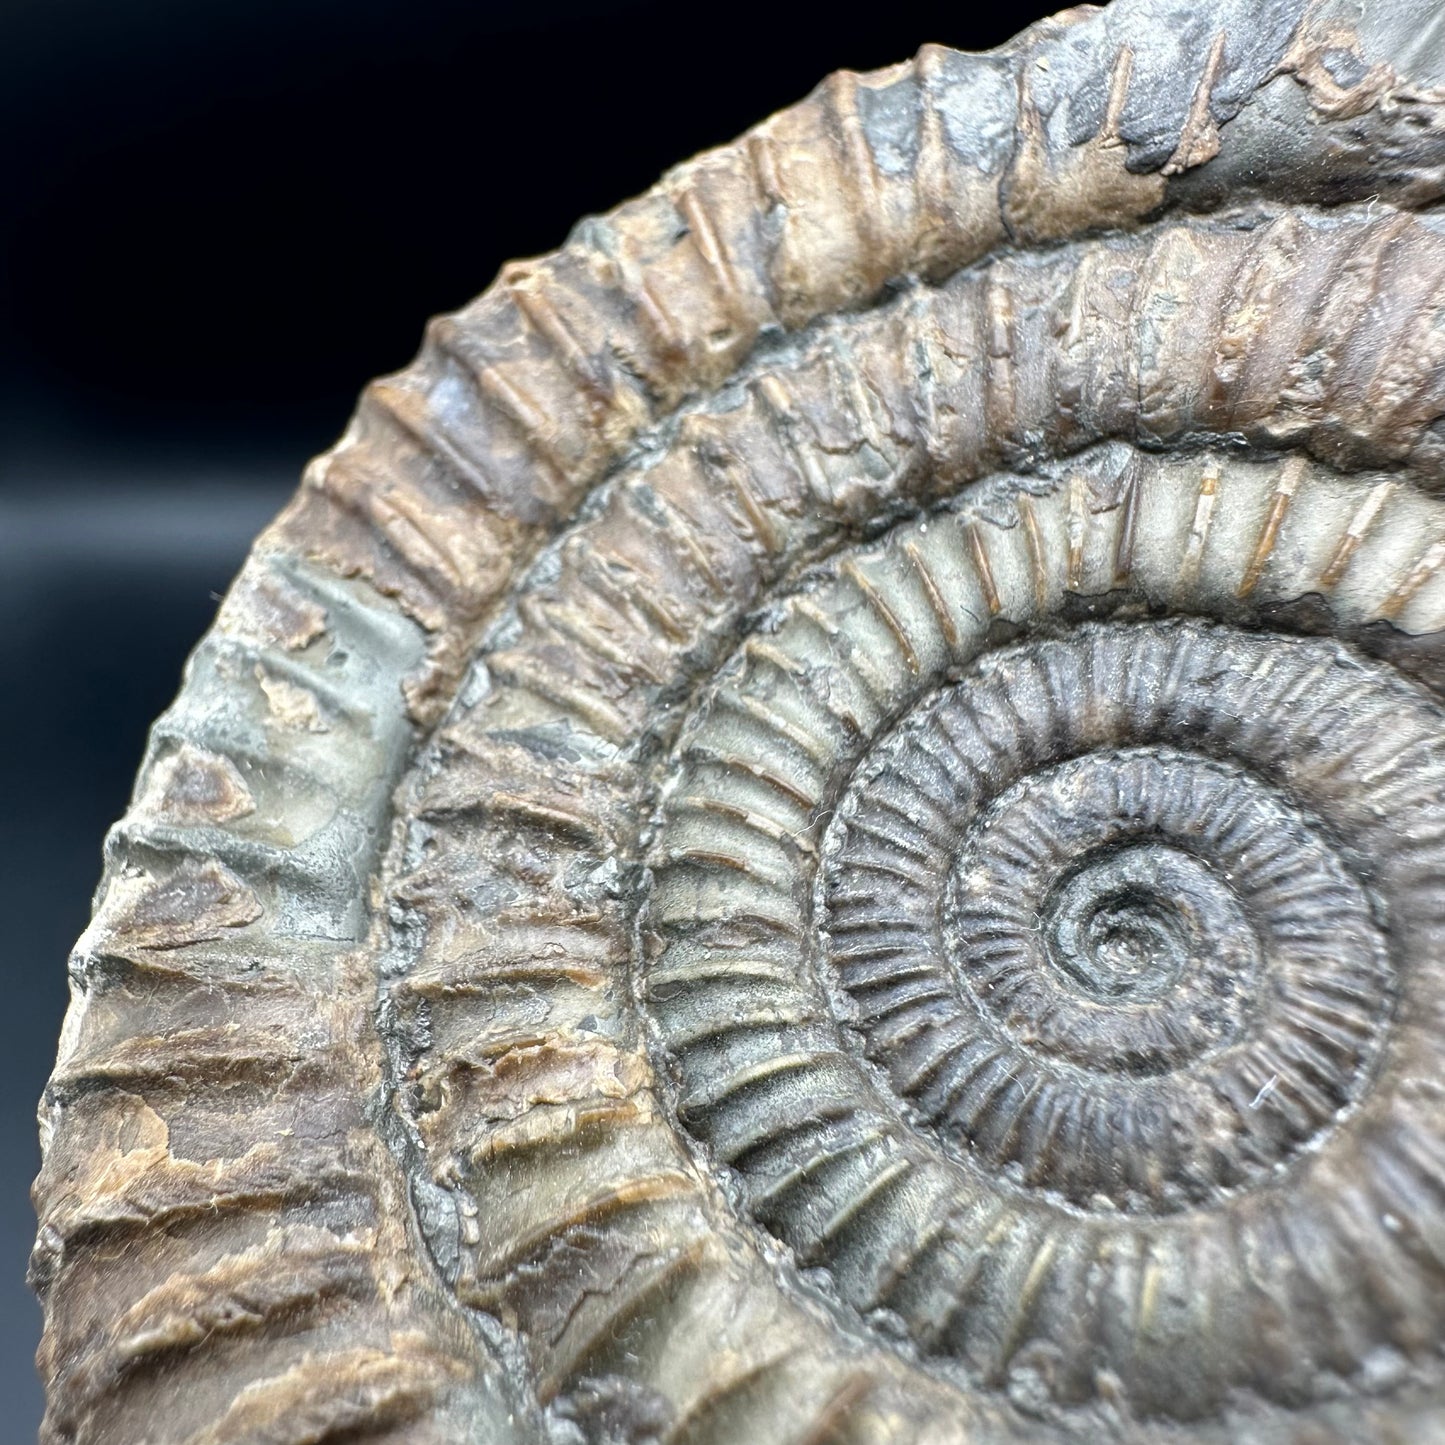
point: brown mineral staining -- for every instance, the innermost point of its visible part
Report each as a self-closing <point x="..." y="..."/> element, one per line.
<point x="196" y="786"/>
<point x="266" y="609"/>
<point x="196" y="903"/>
<point x="383" y="1386"/>
<point x="879" y="886"/>
<point x="1342" y="84"/>
<point x="1050" y="196"/>
<point x="512" y="1078"/>
<point x="291" y="706"/>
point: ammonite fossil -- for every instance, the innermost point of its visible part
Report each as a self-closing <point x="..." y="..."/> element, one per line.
<point x="827" y="824"/>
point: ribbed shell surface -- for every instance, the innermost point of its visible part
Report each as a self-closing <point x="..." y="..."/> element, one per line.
<point x="827" y="823"/>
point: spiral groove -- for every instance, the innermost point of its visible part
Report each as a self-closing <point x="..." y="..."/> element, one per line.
<point x="1136" y="976"/>
<point x="827" y="823"/>
<point x="1113" y="937"/>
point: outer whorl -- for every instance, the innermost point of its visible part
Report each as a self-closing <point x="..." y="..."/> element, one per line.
<point x="827" y="824"/>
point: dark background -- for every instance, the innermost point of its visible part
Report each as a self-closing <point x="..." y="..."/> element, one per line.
<point x="217" y="220"/>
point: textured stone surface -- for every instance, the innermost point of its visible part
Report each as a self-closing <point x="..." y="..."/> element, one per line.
<point x="825" y="824"/>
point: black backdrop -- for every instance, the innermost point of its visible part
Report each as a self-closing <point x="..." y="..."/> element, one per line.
<point x="217" y="221"/>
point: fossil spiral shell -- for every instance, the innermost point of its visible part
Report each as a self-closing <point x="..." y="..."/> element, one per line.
<point x="827" y="824"/>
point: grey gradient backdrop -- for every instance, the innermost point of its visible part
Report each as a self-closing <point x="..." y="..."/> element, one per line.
<point x="217" y="221"/>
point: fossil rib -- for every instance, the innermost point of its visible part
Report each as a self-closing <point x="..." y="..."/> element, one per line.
<point x="828" y="822"/>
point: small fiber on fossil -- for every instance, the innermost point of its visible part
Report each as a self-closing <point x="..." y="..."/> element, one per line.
<point x="827" y="823"/>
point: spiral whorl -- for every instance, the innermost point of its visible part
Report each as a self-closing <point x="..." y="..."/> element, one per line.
<point x="1164" y="981"/>
<point x="1116" y="945"/>
<point x="828" y="823"/>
